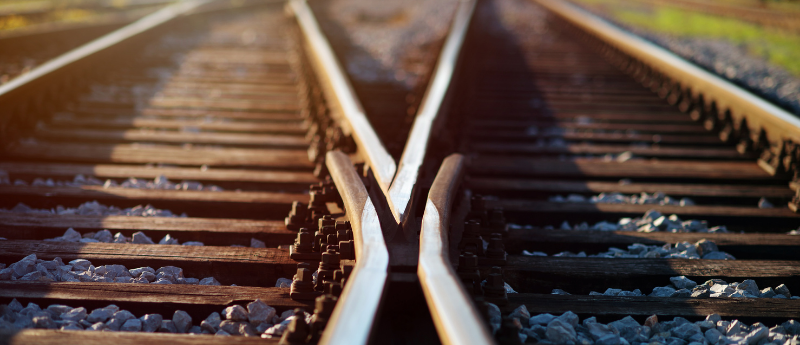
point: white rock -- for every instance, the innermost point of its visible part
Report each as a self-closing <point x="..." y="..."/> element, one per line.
<point x="235" y="313"/>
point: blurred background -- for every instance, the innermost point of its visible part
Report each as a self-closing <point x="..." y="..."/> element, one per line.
<point x="754" y="43"/>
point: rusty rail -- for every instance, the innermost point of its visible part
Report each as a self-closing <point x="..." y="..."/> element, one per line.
<point x="455" y="316"/>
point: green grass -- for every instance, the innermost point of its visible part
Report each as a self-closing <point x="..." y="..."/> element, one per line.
<point x="778" y="47"/>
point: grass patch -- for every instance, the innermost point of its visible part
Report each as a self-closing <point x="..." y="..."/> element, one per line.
<point x="776" y="46"/>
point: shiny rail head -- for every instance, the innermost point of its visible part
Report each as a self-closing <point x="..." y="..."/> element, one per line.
<point x="400" y="193"/>
<point x="341" y="97"/>
<point x="354" y="316"/>
<point x="760" y="114"/>
<point x="454" y="314"/>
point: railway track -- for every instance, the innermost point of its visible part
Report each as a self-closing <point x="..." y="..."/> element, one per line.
<point x="555" y="127"/>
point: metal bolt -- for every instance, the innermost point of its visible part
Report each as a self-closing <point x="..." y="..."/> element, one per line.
<point x="347" y="250"/>
<point x="323" y="308"/>
<point x="496" y="249"/>
<point x="495" y="290"/>
<point x="298" y="330"/>
<point x="330" y="260"/>
<point x="304" y="242"/>
<point x="297" y="216"/>
<point x="303" y="281"/>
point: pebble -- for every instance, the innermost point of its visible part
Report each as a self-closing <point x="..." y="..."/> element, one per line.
<point x="680" y="250"/>
<point x="81" y="270"/>
<point x="235" y="313"/>
<point x="651" y="221"/>
<point x="566" y="329"/>
<point x="160" y="182"/>
<point x="259" y="312"/>
<point x="132" y="325"/>
<point x="151" y="322"/>
<point x="657" y="198"/>
<point x="138" y="237"/>
<point x="283" y="283"/>
<point x="209" y="281"/>
<point x="684" y="287"/>
<point x="182" y="321"/>
<point x="382" y="38"/>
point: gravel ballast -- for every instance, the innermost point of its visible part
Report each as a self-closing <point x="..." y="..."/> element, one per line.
<point x="159" y="183"/>
<point x="703" y="249"/>
<point x="256" y="319"/>
<point x="569" y="329"/>
<point x="94" y="208"/>
<point x="681" y="286"/>
<point x="31" y="268"/>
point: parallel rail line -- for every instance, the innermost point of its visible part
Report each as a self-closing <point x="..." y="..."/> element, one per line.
<point x="523" y="115"/>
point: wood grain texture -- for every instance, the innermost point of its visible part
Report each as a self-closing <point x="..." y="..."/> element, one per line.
<point x="286" y="127"/>
<point x="487" y="165"/>
<point x="172" y="137"/>
<point x="742" y="246"/>
<point x="516" y="205"/>
<point x="614" y="308"/>
<point x="124" y="171"/>
<point x="221" y="204"/>
<point x="581" y="275"/>
<point x="133" y="153"/>
<point x="53" y="337"/>
<point x="147" y="298"/>
<point x="211" y="231"/>
<point x="496" y="185"/>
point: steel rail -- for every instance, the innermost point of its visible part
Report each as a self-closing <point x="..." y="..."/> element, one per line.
<point x="456" y="319"/>
<point x="164" y="15"/>
<point x="401" y="190"/>
<point x="340" y="95"/>
<point x="357" y="308"/>
<point x="778" y="124"/>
